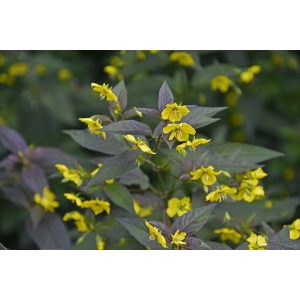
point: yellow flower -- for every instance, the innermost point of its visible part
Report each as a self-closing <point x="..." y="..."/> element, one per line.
<point x="47" y="200"/>
<point x="295" y="230"/>
<point x="116" y="61"/>
<point x="111" y="70"/>
<point x="249" y="191"/>
<point x="255" y="174"/>
<point x="178" y="238"/>
<point x="153" y="51"/>
<point x="140" y="210"/>
<point x="207" y="175"/>
<point x="94" y="126"/>
<point x="6" y="79"/>
<point x="100" y="244"/>
<point x="97" y="206"/>
<point x="248" y="75"/>
<point x="178" y="206"/>
<point x="108" y="181"/>
<point x="256" y="242"/>
<point x="40" y="69"/>
<point x="140" y="55"/>
<point x="156" y="234"/>
<point x="105" y="92"/>
<point x="64" y="74"/>
<point x="182" y="58"/>
<point x="228" y="234"/>
<point x="79" y="219"/>
<point x="220" y="193"/>
<point x="18" y="69"/>
<point x="180" y="131"/>
<point x="269" y="204"/>
<point x="73" y="198"/>
<point x="139" y="144"/>
<point x="69" y="174"/>
<point x="221" y="83"/>
<point x="174" y="112"/>
<point x="191" y="144"/>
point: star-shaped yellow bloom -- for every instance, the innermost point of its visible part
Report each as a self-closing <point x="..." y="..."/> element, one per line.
<point x="207" y="175"/>
<point x="183" y="58"/>
<point x="228" y="234"/>
<point x="97" y="206"/>
<point x="94" y="126"/>
<point x="105" y="92"/>
<point x="174" y="112"/>
<point x="221" y="83"/>
<point x="178" y="206"/>
<point x="156" y="234"/>
<point x="192" y="145"/>
<point x="74" y="198"/>
<point x="140" y="210"/>
<point x="69" y="174"/>
<point x="295" y="230"/>
<point x="46" y="200"/>
<point x="178" y="238"/>
<point x="256" y="242"/>
<point x="79" y="219"/>
<point x="249" y="191"/>
<point x="220" y="193"/>
<point x="139" y="144"/>
<point x="180" y="131"/>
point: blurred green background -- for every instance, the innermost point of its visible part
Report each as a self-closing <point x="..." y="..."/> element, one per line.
<point x="43" y="93"/>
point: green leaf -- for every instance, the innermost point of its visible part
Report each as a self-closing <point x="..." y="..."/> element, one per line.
<point x="119" y="195"/>
<point x="114" y="167"/>
<point x="137" y="228"/>
<point x="114" y="144"/>
<point x="281" y="241"/>
<point x="194" y="220"/>
<point x="135" y="177"/>
<point x="233" y="157"/>
<point x="128" y="127"/>
<point x="165" y="96"/>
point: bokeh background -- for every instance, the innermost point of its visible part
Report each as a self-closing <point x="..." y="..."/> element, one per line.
<point x="43" y="93"/>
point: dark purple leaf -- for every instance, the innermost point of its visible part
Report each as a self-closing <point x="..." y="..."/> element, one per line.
<point x="9" y="162"/>
<point x="121" y="92"/>
<point x="15" y="195"/>
<point x="149" y="112"/>
<point x="165" y="96"/>
<point x="128" y="127"/>
<point x="12" y="140"/>
<point x="135" y="177"/>
<point x="34" y="178"/>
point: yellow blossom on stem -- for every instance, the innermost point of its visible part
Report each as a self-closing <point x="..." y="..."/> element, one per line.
<point x="156" y="234"/>
<point x="105" y="92"/>
<point x="183" y="58"/>
<point x="178" y="238"/>
<point x="228" y="234"/>
<point x="69" y="174"/>
<point x="140" y="210"/>
<point x="207" y="175"/>
<point x="220" y="193"/>
<point x="139" y="144"/>
<point x="248" y="75"/>
<point x="249" y="191"/>
<point x="97" y="206"/>
<point x="192" y="145"/>
<point x="100" y="244"/>
<point x="174" y="112"/>
<point x="79" y="219"/>
<point x="294" y="230"/>
<point x="180" y="131"/>
<point x="256" y="242"/>
<point x="18" y="69"/>
<point x="73" y="198"/>
<point x="178" y="206"/>
<point x="111" y="70"/>
<point x="94" y="126"/>
<point x="46" y="200"/>
<point x="40" y="69"/>
<point x="221" y="83"/>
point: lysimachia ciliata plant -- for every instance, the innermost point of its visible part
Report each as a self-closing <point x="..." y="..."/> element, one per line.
<point x="163" y="184"/>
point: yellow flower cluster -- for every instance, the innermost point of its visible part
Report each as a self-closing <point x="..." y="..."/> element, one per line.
<point x="178" y="206"/>
<point x="183" y="58"/>
<point x="220" y="193"/>
<point x="113" y="69"/>
<point x="192" y="145"/>
<point x="46" y="200"/>
<point x="228" y="234"/>
<point x="249" y="189"/>
<point x="178" y="238"/>
<point x="221" y="83"/>
<point x="295" y="230"/>
<point x="139" y="144"/>
<point x="248" y="75"/>
<point x="174" y="112"/>
<point x="180" y="131"/>
<point x="18" y="69"/>
<point x="69" y="174"/>
<point x="79" y="220"/>
<point x="257" y="242"/>
<point x="94" y="125"/>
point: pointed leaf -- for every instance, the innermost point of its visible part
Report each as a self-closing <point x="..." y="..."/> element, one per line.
<point x="128" y="127"/>
<point x="121" y="92"/>
<point x="165" y="96"/>
<point x="12" y="140"/>
<point x="34" y="178"/>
